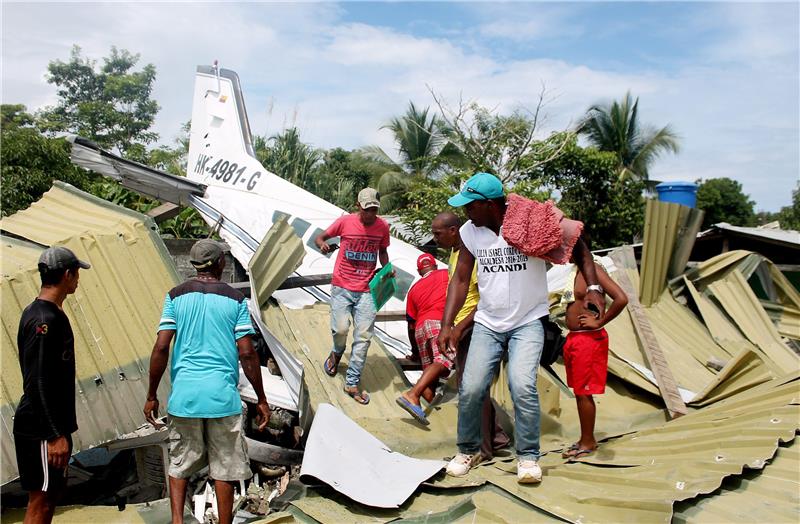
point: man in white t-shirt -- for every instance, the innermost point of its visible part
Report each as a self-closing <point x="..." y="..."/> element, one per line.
<point x="513" y="299"/>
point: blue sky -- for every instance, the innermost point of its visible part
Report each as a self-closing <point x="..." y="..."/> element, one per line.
<point x="724" y="75"/>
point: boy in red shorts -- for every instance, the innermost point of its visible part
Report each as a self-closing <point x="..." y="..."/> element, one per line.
<point x="586" y="352"/>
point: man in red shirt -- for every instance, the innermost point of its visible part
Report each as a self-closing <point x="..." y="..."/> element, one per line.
<point x="424" y="309"/>
<point x="364" y="238"/>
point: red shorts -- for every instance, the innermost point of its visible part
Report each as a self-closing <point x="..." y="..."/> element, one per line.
<point x="427" y="336"/>
<point x="586" y="358"/>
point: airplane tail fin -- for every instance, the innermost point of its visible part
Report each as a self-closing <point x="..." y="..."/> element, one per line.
<point x="220" y="128"/>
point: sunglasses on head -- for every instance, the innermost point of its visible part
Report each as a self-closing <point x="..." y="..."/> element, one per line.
<point x="475" y="191"/>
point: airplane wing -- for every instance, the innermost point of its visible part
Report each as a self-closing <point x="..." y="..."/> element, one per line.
<point x="132" y="175"/>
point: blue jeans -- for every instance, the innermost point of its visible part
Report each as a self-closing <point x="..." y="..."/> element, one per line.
<point x="344" y="304"/>
<point x="524" y="345"/>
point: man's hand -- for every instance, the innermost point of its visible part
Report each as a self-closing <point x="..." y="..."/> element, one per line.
<point x="444" y="336"/>
<point x="151" y="412"/>
<point x="595" y="301"/>
<point x="58" y="452"/>
<point x="589" y="321"/>
<point x="262" y="416"/>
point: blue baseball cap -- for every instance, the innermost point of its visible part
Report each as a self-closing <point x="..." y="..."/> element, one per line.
<point x="480" y="186"/>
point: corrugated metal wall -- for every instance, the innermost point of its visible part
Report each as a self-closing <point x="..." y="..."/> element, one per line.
<point x="114" y="313"/>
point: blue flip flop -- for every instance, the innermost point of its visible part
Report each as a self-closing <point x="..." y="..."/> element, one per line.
<point x="414" y="411"/>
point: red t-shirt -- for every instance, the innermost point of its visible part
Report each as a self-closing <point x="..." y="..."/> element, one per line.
<point x="427" y="297"/>
<point x="358" y="250"/>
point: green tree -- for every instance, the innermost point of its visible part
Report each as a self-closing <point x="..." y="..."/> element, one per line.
<point x="612" y="209"/>
<point x="616" y="128"/>
<point x="420" y="147"/>
<point x="288" y="157"/>
<point x="111" y="106"/>
<point x="29" y="161"/>
<point x="480" y="139"/>
<point x="342" y="174"/>
<point x="789" y="216"/>
<point x="723" y="200"/>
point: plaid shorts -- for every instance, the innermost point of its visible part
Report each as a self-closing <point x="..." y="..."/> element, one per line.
<point x="427" y="336"/>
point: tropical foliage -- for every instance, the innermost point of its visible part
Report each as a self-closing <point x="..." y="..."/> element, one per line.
<point x="616" y="128"/>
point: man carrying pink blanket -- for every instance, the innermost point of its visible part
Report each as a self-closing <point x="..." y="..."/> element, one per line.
<point x="513" y="299"/>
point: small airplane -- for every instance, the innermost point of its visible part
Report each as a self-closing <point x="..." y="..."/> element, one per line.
<point x="242" y="200"/>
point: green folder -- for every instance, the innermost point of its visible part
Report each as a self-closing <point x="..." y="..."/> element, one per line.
<point x="382" y="286"/>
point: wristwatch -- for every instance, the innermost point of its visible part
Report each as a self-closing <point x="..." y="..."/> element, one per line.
<point x="595" y="287"/>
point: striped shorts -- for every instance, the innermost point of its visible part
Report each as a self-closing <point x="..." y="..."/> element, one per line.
<point x="35" y="474"/>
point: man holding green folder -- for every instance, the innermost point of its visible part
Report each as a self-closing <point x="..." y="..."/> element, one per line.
<point x="364" y="238"/>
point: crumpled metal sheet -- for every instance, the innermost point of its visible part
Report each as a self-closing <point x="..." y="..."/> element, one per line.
<point x="135" y="176"/>
<point x="342" y="454"/>
<point x="114" y="313"/>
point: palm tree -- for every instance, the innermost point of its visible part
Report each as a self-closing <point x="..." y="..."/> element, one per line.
<point x="616" y="128"/>
<point x="420" y="146"/>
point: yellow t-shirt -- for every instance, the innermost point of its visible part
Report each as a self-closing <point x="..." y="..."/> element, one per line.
<point x="471" y="301"/>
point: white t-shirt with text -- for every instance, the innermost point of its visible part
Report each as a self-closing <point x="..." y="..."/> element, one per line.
<point x="512" y="285"/>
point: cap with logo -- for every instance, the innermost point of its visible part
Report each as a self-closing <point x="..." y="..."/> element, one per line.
<point x="480" y="186"/>
<point x="60" y="257"/>
<point x="426" y="259"/>
<point x="206" y="252"/>
<point x="369" y="197"/>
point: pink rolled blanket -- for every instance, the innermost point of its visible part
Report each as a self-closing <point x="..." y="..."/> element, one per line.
<point x="540" y="229"/>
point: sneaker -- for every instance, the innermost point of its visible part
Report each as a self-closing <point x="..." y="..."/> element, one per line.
<point x="528" y="472"/>
<point x="461" y="464"/>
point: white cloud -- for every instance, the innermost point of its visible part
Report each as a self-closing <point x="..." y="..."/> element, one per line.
<point x="340" y="81"/>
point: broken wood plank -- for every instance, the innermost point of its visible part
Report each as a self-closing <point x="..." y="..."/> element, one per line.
<point x="164" y="212"/>
<point x="389" y="316"/>
<point x="652" y="350"/>
<point x="306" y="281"/>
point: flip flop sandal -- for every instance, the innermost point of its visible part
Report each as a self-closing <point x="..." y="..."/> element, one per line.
<point x="362" y="397"/>
<point x="334" y="359"/>
<point x="575" y="452"/>
<point x="413" y="410"/>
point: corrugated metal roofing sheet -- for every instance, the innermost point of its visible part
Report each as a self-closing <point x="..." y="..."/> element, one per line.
<point x="768" y="495"/>
<point x="114" y="313"/>
<point x="661" y="226"/>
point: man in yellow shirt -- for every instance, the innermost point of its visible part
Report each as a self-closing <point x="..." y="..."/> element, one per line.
<point x="445" y="233"/>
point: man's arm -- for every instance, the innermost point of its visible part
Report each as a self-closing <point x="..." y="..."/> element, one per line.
<point x="321" y="243"/>
<point x="383" y="256"/>
<point x="583" y="259"/>
<point x="252" y="370"/>
<point x="466" y="322"/>
<point x="456" y="295"/>
<point x="57" y="445"/>
<point x="158" y="364"/>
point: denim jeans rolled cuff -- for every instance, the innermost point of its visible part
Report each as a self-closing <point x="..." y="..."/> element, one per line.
<point x="346" y="304"/>
<point x="524" y="345"/>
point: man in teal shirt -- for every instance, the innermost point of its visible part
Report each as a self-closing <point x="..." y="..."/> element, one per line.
<point x="211" y="326"/>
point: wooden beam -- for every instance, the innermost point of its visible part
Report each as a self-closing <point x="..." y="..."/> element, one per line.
<point x="389" y="316"/>
<point x="306" y="281"/>
<point x="652" y="350"/>
<point x="164" y="212"/>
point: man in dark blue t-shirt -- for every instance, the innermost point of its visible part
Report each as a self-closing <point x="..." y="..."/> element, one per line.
<point x="45" y="417"/>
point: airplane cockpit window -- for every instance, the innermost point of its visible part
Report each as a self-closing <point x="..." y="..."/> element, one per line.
<point x="310" y="243"/>
<point x="300" y="226"/>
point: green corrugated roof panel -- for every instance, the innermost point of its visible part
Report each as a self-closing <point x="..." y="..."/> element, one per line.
<point x="768" y="495"/>
<point x="662" y="224"/>
<point x="739" y="302"/>
<point x="114" y="313"/>
<point x="278" y="255"/>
